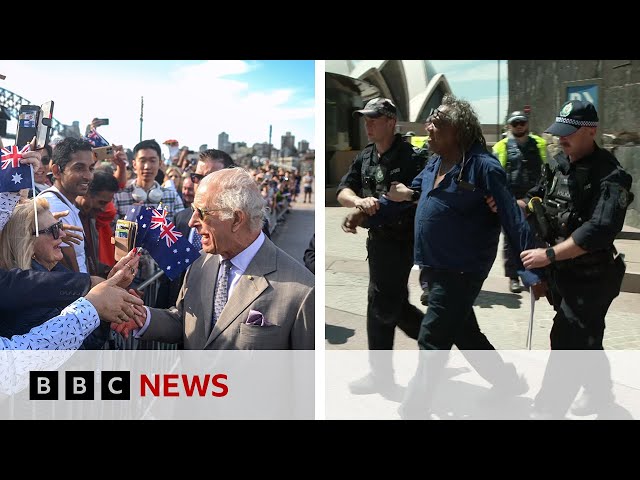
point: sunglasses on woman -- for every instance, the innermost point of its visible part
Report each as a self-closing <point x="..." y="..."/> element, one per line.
<point x="54" y="230"/>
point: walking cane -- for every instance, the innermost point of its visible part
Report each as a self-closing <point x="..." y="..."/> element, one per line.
<point x="533" y="306"/>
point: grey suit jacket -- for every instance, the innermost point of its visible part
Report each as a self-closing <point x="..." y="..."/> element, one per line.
<point x="274" y="284"/>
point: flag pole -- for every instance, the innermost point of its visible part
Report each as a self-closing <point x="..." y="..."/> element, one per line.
<point x="35" y="205"/>
<point x="141" y="115"/>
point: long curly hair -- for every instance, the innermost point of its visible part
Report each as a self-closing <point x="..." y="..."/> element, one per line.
<point x="464" y="119"/>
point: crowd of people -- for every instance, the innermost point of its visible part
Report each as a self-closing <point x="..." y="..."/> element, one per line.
<point x="60" y="247"/>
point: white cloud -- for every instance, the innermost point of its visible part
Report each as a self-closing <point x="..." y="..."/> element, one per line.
<point x="191" y="103"/>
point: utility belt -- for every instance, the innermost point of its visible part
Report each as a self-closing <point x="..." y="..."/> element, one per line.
<point x="402" y="230"/>
<point x="589" y="265"/>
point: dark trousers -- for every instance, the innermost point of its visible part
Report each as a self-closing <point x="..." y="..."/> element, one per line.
<point x="390" y="258"/>
<point x="581" y="304"/>
<point x="449" y="321"/>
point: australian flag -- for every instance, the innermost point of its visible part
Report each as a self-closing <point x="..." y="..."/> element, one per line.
<point x="13" y="175"/>
<point x="95" y="139"/>
<point x="166" y="245"/>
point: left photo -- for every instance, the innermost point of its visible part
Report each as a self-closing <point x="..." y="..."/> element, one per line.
<point x="157" y="225"/>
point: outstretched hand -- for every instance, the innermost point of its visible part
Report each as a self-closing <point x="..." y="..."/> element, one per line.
<point x="113" y="303"/>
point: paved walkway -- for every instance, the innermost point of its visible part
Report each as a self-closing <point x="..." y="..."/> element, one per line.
<point x="503" y="316"/>
<point x="293" y="234"/>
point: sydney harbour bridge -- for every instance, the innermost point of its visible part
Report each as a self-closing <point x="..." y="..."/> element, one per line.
<point x="10" y="103"/>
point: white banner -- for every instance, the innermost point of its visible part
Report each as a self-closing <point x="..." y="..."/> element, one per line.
<point x="156" y="384"/>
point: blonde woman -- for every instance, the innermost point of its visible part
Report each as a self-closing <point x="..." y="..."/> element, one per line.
<point x="21" y="248"/>
<point x="173" y="176"/>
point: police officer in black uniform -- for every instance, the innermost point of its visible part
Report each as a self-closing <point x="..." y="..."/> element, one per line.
<point x="579" y="207"/>
<point x="385" y="160"/>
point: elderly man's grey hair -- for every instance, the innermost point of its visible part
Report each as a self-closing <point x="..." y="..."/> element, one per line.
<point x="237" y="190"/>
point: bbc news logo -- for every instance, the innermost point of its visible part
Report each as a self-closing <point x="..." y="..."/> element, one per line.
<point x="80" y="385"/>
<point x="116" y="385"/>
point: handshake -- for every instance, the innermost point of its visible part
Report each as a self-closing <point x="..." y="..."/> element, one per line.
<point x="110" y="298"/>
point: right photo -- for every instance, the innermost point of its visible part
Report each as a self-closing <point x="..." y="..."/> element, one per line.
<point x="482" y="239"/>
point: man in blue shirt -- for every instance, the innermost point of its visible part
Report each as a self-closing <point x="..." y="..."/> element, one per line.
<point x="456" y="241"/>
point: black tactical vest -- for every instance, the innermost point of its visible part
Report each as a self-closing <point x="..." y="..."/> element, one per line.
<point x="523" y="167"/>
<point x="375" y="178"/>
<point x="567" y="200"/>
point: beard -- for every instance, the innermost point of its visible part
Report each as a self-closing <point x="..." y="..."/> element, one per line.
<point x="520" y="134"/>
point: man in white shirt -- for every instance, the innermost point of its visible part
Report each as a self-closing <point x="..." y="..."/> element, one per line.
<point x="72" y="167"/>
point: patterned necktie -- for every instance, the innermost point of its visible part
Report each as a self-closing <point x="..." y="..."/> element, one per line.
<point x="222" y="287"/>
<point x="196" y="240"/>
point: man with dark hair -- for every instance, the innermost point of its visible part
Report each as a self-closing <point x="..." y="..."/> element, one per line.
<point x="72" y="166"/>
<point x="144" y="189"/>
<point x="101" y="192"/>
<point x="211" y="160"/>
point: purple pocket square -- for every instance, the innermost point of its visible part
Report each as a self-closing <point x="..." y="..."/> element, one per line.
<point x="256" y="318"/>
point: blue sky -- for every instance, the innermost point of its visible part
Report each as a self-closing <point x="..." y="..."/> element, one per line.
<point x="190" y="101"/>
<point x="477" y="82"/>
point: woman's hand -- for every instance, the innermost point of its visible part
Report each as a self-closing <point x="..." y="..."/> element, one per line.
<point x="129" y="264"/>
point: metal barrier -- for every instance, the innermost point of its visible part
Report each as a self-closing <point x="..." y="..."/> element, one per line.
<point x="276" y="213"/>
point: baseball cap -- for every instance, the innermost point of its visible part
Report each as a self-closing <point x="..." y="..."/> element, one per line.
<point x="516" y="116"/>
<point x="378" y="107"/>
<point x="573" y="115"/>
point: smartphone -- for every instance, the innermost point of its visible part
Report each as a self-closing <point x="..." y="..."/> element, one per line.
<point x="44" y="125"/>
<point x="28" y="118"/>
<point x="103" y="153"/>
<point x="104" y="121"/>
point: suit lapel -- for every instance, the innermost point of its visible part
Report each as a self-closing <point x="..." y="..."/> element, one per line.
<point x="250" y="286"/>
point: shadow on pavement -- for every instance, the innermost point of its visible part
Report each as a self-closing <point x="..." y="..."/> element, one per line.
<point x="337" y="335"/>
<point x="489" y="299"/>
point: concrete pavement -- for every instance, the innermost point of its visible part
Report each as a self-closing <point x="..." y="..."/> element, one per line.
<point x="293" y="234"/>
<point x="503" y="316"/>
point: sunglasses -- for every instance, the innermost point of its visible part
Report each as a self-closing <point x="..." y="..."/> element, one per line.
<point x="196" y="177"/>
<point x="436" y="116"/>
<point x="54" y="230"/>
<point x="518" y="124"/>
<point x="202" y="212"/>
